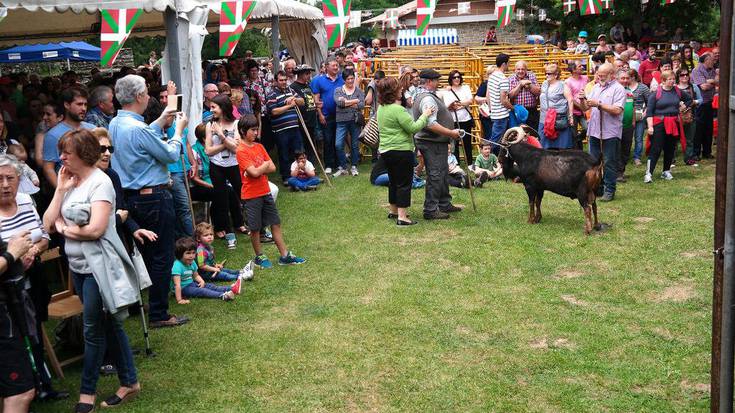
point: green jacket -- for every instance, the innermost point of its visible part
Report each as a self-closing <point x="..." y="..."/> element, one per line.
<point x="397" y="128"/>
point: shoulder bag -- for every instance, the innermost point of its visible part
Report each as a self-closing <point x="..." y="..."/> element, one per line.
<point x="370" y="135"/>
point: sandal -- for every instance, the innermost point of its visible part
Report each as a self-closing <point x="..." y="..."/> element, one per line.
<point x="84" y="408"/>
<point x="116" y="400"/>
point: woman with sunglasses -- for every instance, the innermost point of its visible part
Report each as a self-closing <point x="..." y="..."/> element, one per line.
<point x="685" y="85"/>
<point x="556" y="95"/>
<point x="458" y="98"/>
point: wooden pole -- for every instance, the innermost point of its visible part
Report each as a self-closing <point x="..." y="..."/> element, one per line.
<point x="311" y="142"/>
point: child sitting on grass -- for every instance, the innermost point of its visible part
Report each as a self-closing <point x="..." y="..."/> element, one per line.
<point x="486" y="166"/>
<point x="186" y="282"/>
<point x="303" y="176"/>
<point x="457" y="176"/>
<point x="260" y="209"/>
<point x="208" y="268"/>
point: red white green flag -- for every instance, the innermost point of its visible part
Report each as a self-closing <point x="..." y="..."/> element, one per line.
<point x="665" y="2"/>
<point x="504" y="10"/>
<point x="424" y="13"/>
<point x="336" y="17"/>
<point x="114" y="30"/>
<point x="607" y="5"/>
<point x="569" y="6"/>
<point x="232" y="21"/>
<point x="587" y="7"/>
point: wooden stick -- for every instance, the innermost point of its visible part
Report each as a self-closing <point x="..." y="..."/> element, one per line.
<point x="311" y="142"/>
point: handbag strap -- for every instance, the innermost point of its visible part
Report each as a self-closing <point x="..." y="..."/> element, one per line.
<point x="460" y="101"/>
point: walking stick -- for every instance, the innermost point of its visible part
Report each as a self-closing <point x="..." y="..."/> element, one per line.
<point x="148" y="350"/>
<point x="469" y="180"/>
<point x="311" y="142"/>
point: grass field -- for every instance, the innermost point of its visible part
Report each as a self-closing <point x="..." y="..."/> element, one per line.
<point x="481" y="312"/>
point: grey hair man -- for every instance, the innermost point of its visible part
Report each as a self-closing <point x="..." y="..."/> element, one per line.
<point x="432" y="141"/>
<point x="101" y="107"/>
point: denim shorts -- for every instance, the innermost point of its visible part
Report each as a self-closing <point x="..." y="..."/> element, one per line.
<point x="261" y="212"/>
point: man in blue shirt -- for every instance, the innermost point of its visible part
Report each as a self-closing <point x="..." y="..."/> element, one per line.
<point x="101" y="108"/>
<point x="75" y="109"/>
<point x="323" y="87"/>
<point x="281" y="103"/>
<point x="141" y="160"/>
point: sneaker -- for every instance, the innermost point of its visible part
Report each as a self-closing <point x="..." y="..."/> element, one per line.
<point x="353" y="171"/>
<point x="647" y="178"/>
<point x="328" y="171"/>
<point x="261" y="261"/>
<point x="266" y="237"/>
<point x="291" y="259"/>
<point x="607" y="197"/>
<point x="237" y="287"/>
<point x="231" y="241"/>
<point x="311" y="188"/>
<point x="228" y="296"/>
<point x="340" y="171"/>
<point x="667" y="175"/>
<point x="247" y="273"/>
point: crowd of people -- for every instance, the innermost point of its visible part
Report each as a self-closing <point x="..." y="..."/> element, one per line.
<point x="107" y="167"/>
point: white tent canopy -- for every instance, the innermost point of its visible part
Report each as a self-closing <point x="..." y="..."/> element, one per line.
<point x="184" y="22"/>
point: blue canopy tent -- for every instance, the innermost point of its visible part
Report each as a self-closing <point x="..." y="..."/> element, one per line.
<point x="69" y="51"/>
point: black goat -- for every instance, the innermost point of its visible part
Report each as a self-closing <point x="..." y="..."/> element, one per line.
<point x="572" y="173"/>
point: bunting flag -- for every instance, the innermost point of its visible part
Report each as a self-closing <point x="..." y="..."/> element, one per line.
<point x="232" y="21"/>
<point x="391" y="19"/>
<point x="336" y="17"/>
<point x="665" y="2"/>
<point x="464" y="7"/>
<point x="114" y="30"/>
<point x="504" y="10"/>
<point x="588" y="7"/>
<point x="355" y="19"/>
<point x="424" y="13"/>
<point x="607" y="5"/>
<point x="542" y="15"/>
<point x="520" y="15"/>
<point x="569" y="6"/>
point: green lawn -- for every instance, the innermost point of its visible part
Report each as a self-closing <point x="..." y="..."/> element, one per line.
<point x="481" y="312"/>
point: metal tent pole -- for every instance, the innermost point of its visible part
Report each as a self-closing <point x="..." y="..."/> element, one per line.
<point x="276" y="40"/>
<point x="172" y="45"/>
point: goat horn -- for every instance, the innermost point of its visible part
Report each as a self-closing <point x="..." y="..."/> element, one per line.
<point x="519" y="133"/>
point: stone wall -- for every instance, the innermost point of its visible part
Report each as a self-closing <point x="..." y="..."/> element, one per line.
<point x="472" y="34"/>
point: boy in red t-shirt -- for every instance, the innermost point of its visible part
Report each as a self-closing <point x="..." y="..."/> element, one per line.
<point x="260" y="209"/>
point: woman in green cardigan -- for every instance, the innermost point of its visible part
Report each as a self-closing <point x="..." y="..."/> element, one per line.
<point x="397" y="128"/>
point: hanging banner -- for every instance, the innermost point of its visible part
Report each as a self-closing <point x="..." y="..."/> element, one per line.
<point x="589" y="7"/>
<point x="424" y="13"/>
<point x="520" y="15"/>
<point x="336" y="17"/>
<point x="232" y="21"/>
<point x="665" y="2"/>
<point x="464" y="7"/>
<point x="504" y="10"/>
<point x="607" y="5"/>
<point x="542" y="15"/>
<point x="355" y="19"/>
<point x="391" y="19"/>
<point x="114" y="30"/>
<point x="569" y="6"/>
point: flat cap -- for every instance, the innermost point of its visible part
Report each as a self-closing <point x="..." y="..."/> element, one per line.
<point x="429" y="74"/>
<point x="303" y="68"/>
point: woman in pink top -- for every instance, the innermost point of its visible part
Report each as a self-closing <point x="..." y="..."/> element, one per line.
<point x="576" y="83"/>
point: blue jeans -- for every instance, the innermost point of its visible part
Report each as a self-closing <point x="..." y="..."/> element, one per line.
<point x="208" y="291"/>
<point x="225" y="274"/>
<point x="101" y="332"/>
<point x="640" y="130"/>
<point x="499" y="128"/>
<point x="289" y="142"/>
<point x="382" y="180"/>
<point x="302" y="184"/>
<point x="354" y="129"/>
<point x="329" y="132"/>
<point x="184" y="226"/>
<point x="155" y="212"/>
<point x="611" y="154"/>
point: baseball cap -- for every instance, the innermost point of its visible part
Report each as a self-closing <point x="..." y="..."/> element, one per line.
<point x="582" y="34"/>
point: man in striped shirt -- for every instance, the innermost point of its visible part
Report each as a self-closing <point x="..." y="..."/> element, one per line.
<point x="498" y="94"/>
<point x="281" y="103"/>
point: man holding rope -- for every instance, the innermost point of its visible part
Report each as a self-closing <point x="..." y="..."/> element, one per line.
<point x="432" y="142"/>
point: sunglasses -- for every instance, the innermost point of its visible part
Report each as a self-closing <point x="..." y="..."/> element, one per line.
<point x="104" y="149"/>
<point x="550" y="73"/>
<point x="683" y="74"/>
<point x="456" y="77"/>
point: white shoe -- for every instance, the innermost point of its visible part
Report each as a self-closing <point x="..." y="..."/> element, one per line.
<point x="353" y="171"/>
<point x="228" y="296"/>
<point x="246" y="273"/>
<point x="328" y="171"/>
<point x="667" y="175"/>
<point x="647" y="179"/>
<point x="340" y="172"/>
